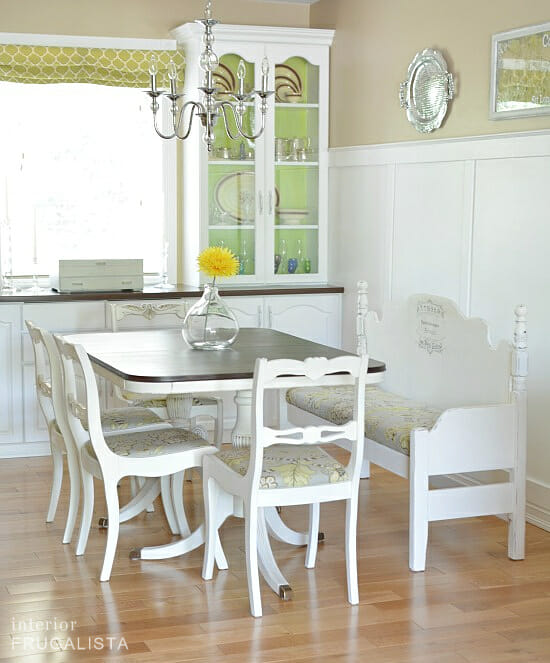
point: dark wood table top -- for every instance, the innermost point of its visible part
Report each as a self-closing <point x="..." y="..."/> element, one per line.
<point x="161" y="355"/>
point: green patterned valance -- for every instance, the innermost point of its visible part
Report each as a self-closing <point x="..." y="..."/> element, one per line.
<point x="101" y="66"/>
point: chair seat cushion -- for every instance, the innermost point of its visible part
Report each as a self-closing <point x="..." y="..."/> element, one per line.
<point x="143" y="444"/>
<point x="289" y="466"/>
<point x="146" y="400"/>
<point x="124" y="418"/>
<point x="389" y="418"/>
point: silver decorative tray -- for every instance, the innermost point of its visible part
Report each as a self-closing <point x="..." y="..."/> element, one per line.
<point x="428" y="88"/>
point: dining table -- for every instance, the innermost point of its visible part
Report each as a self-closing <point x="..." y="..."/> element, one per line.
<point x="159" y="362"/>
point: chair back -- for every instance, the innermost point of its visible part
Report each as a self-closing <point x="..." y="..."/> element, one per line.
<point x="81" y="398"/>
<point x="146" y="310"/>
<point x="313" y="371"/>
<point x="42" y="373"/>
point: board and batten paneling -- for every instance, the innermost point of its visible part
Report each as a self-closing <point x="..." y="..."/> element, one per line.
<point x="465" y="218"/>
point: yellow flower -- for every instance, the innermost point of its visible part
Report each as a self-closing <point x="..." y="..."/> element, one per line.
<point x="218" y="261"/>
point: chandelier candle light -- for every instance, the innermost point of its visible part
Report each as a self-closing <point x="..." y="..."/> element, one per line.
<point x="208" y="109"/>
<point x="210" y="324"/>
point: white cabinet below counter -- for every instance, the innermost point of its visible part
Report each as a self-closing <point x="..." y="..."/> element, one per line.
<point x="315" y="316"/>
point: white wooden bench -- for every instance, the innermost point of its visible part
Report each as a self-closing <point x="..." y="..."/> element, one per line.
<point x="450" y="404"/>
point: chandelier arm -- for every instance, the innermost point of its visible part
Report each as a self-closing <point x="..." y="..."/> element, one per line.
<point x="194" y="104"/>
<point x="159" y="132"/>
<point x="222" y="105"/>
<point x="239" y="123"/>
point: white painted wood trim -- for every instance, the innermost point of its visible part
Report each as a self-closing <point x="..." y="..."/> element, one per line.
<point x="498" y="146"/>
<point x="266" y="34"/>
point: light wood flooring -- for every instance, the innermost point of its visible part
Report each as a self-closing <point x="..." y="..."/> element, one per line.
<point x="471" y="605"/>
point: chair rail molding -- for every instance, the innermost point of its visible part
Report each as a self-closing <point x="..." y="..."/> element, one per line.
<point x="465" y="218"/>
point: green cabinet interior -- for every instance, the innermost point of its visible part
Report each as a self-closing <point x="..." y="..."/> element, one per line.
<point x="297" y="184"/>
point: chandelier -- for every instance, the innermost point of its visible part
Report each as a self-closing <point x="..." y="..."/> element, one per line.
<point x="208" y="109"/>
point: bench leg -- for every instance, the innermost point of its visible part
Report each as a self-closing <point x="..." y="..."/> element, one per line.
<point x="516" y="525"/>
<point x="365" y="466"/>
<point x="418" y="502"/>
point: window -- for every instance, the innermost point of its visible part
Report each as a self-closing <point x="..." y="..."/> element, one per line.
<point x="82" y="176"/>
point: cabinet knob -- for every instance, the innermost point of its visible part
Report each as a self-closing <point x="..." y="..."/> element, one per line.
<point x="259" y="316"/>
<point x="260" y="202"/>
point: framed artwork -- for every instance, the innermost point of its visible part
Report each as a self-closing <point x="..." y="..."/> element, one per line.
<point x="520" y="72"/>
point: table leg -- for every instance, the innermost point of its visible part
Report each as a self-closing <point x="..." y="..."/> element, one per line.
<point x="178" y="407"/>
<point x="267" y="564"/>
<point x="241" y="435"/>
<point x="185" y="545"/>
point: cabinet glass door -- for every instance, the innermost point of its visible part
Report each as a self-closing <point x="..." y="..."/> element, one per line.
<point x="232" y="174"/>
<point x="296" y="147"/>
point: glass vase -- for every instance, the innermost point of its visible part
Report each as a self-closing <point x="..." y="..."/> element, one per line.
<point x="210" y="324"/>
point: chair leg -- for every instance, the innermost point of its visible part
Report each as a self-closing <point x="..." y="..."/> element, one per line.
<point x="251" y="551"/>
<point x="209" y="490"/>
<point x="57" y="479"/>
<point x="87" y="511"/>
<point x="74" y="495"/>
<point x="313" y="535"/>
<point x="111" y="497"/>
<point x="179" y="507"/>
<point x="166" y="495"/>
<point x="418" y="503"/>
<point x="351" y="549"/>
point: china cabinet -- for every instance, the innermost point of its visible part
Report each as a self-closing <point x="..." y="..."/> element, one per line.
<point x="266" y="200"/>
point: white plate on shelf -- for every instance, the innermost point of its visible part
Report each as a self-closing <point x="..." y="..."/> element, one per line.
<point x="235" y="195"/>
<point x="291" y="217"/>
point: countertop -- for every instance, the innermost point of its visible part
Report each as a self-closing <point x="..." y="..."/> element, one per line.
<point x="151" y="292"/>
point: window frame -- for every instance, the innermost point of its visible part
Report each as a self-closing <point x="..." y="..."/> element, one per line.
<point x="169" y="149"/>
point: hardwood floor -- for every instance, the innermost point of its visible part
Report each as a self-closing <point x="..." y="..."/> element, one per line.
<point x="471" y="605"/>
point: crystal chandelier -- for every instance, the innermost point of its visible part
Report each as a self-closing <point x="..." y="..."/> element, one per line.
<point x="209" y="108"/>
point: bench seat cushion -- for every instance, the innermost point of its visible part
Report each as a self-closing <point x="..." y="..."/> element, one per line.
<point x="389" y="418"/>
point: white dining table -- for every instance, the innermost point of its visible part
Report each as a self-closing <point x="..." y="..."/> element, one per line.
<point x="158" y="361"/>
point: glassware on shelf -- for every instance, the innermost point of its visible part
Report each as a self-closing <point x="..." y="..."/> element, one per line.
<point x="6" y="281"/>
<point x="292" y="265"/>
<point x="299" y="255"/>
<point x="307" y="265"/>
<point x="243" y="259"/>
<point x="164" y="285"/>
<point x="277" y="262"/>
<point x="210" y="324"/>
<point x="283" y="264"/>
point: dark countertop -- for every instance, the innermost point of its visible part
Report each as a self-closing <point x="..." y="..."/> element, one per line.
<point x="178" y="292"/>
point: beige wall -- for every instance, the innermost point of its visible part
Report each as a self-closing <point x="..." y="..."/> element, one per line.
<point x="137" y="18"/>
<point x="376" y="39"/>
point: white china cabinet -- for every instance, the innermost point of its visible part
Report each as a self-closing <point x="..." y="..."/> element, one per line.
<point x="266" y="200"/>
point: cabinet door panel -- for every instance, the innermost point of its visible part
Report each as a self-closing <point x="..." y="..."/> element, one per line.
<point x="247" y="310"/>
<point x="314" y="317"/>
<point x="11" y="424"/>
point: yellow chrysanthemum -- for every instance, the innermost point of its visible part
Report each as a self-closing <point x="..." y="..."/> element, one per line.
<point x="218" y="261"/>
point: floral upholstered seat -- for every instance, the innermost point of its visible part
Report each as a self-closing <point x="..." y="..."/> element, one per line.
<point x="125" y="418"/>
<point x="143" y="444"/>
<point x="153" y="401"/>
<point x="389" y="418"/>
<point x="288" y="466"/>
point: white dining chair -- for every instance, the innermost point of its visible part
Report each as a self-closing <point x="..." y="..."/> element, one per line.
<point x="49" y="389"/>
<point x="151" y="453"/>
<point x="289" y="466"/>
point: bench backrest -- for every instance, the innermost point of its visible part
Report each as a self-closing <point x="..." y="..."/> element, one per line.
<point x="435" y="354"/>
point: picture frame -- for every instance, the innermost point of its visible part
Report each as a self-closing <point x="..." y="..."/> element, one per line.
<point x="520" y="73"/>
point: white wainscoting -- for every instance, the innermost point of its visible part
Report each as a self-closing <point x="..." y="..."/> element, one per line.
<point x="465" y="218"/>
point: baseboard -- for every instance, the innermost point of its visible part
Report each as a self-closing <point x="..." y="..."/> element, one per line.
<point x="537" y="508"/>
<point x="24" y="449"/>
